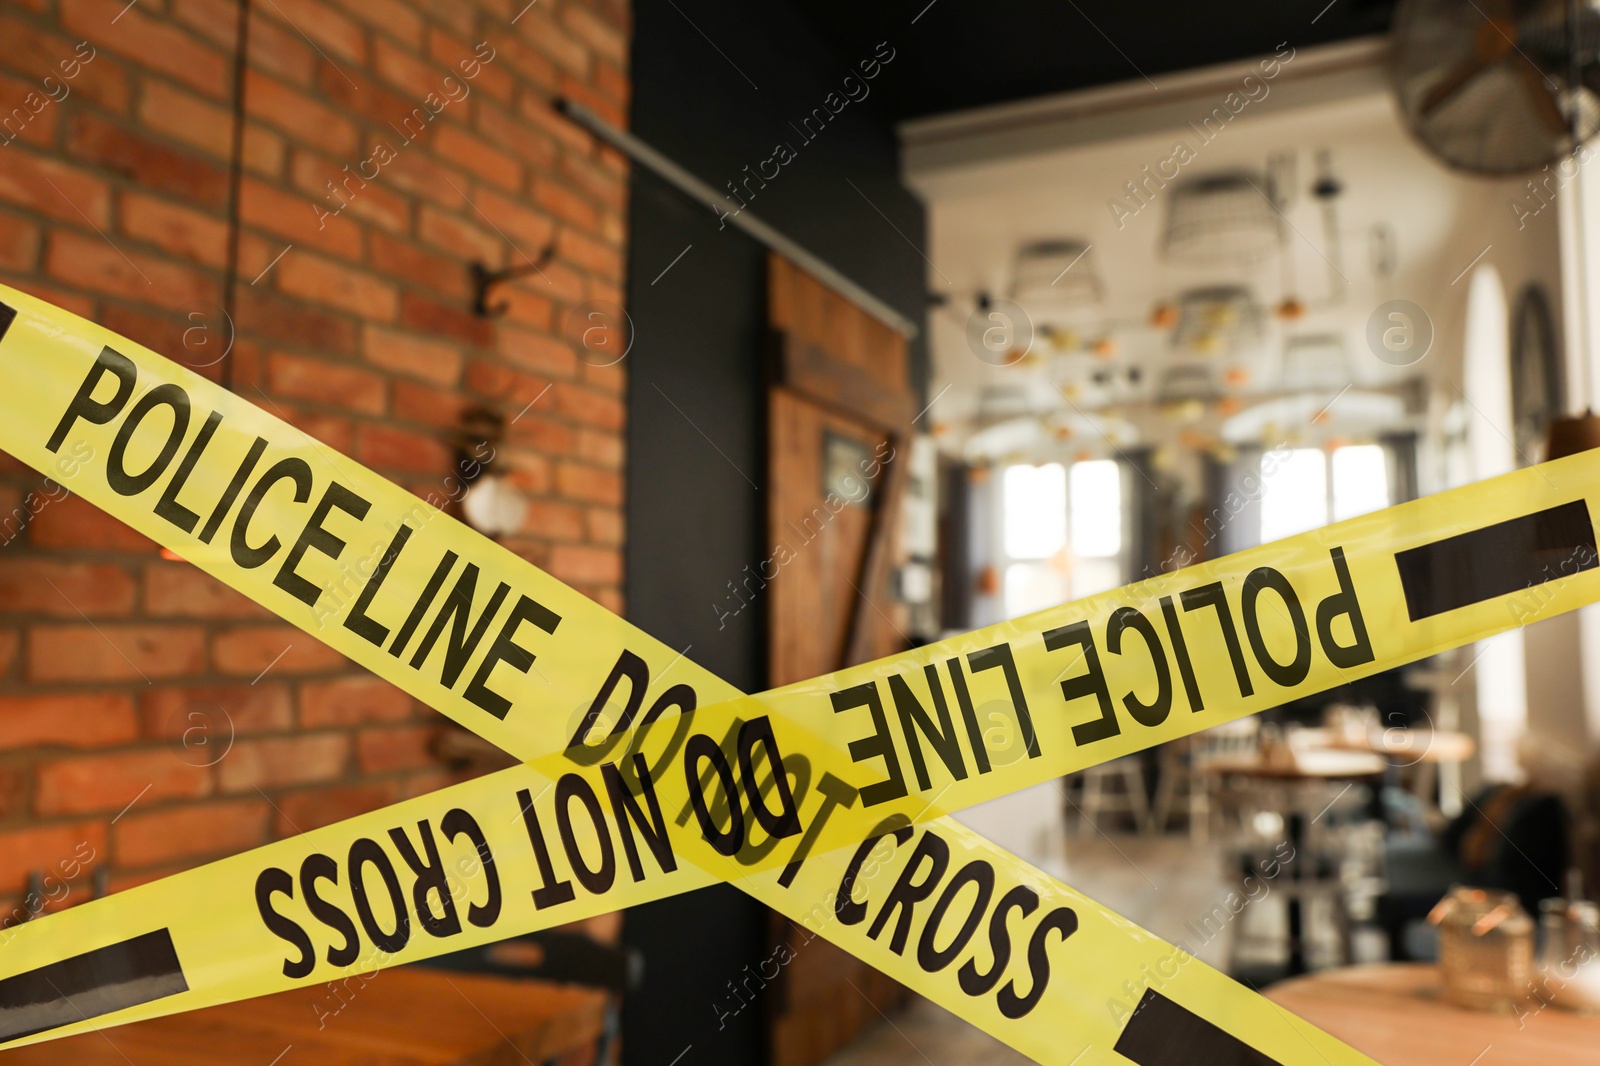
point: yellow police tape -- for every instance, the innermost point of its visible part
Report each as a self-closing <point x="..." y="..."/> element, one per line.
<point x="850" y="840"/>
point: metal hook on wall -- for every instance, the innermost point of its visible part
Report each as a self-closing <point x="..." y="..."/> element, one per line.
<point x="484" y="280"/>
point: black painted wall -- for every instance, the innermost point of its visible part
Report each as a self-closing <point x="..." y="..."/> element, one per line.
<point x="961" y="54"/>
<point x="696" y="395"/>
<point x="693" y="522"/>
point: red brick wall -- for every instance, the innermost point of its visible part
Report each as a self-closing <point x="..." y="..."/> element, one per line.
<point x="123" y="675"/>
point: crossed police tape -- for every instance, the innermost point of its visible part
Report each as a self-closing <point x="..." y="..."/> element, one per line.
<point x="825" y="799"/>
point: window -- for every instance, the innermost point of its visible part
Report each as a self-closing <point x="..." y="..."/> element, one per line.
<point x="1035" y="516"/>
<point x="1062" y="533"/>
<point x="1306" y="488"/>
<point x="1500" y="663"/>
<point x="1034" y="587"/>
<point x="1294" y="492"/>
<point x="1096" y="508"/>
<point x="1360" y="480"/>
<point x="1036" y="510"/>
<point x="1096" y="520"/>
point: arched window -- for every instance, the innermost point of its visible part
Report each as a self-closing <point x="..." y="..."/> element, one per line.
<point x="1499" y="663"/>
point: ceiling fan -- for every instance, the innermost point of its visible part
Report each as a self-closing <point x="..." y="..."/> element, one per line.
<point x="1502" y="87"/>
<point x="1498" y="87"/>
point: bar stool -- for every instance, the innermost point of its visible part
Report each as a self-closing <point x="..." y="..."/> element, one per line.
<point x="1099" y="796"/>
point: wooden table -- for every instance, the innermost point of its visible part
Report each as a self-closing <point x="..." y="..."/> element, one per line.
<point x="1396" y="1014"/>
<point x="1436" y="754"/>
<point x="406" y="1016"/>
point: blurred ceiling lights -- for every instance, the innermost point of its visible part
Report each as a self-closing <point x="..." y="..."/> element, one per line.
<point x="1187" y="382"/>
<point x="1316" y="361"/>
<point x="1217" y="320"/>
<point x="1056" y="275"/>
<point x="1222" y="220"/>
<point x="1301" y="417"/>
<point x="1046" y="436"/>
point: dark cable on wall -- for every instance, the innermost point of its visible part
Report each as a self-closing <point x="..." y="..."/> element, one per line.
<point x="230" y="270"/>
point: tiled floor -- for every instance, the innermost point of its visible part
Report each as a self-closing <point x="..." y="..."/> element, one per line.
<point x="1162" y="883"/>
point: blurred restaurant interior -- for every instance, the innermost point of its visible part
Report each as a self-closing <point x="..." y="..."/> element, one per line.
<point x="913" y="318"/>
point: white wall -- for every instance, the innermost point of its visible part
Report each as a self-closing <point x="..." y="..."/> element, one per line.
<point x="1580" y="248"/>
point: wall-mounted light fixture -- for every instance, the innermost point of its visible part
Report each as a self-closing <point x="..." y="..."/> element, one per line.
<point x="491" y="504"/>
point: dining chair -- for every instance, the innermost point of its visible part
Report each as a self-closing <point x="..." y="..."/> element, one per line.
<point x="1184" y="778"/>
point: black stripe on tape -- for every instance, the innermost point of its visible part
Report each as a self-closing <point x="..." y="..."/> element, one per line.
<point x="7" y="316"/>
<point x="1164" y="1033"/>
<point x="86" y="986"/>
<point x="1495" y="560"/>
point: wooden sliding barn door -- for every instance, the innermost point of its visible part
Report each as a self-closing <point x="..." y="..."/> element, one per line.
<point x="840" y="414"/>
<point x="840" y="410"/>
<point x="825" y="515"/>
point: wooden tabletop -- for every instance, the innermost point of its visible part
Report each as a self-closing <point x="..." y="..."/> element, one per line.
<point x="1406" y="746"/>
<point x="1315" y="763"/>
<point x="1395" y="1014"/>
<point x="406" y="1016"/>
